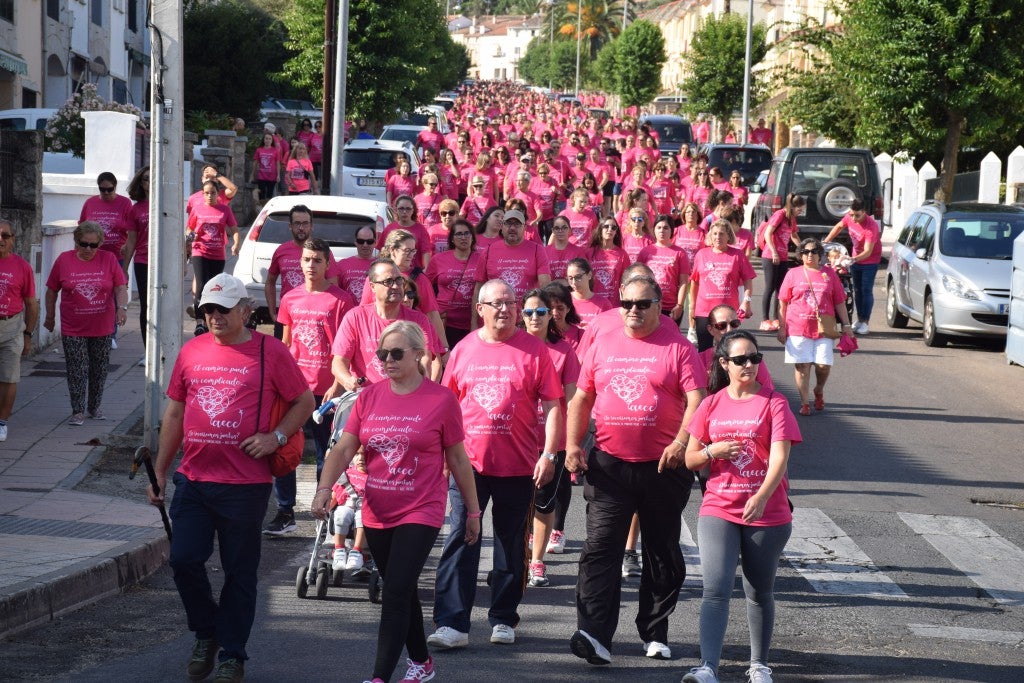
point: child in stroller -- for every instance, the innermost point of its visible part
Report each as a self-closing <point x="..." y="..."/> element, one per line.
<point x="347" y="496"/>
<point x="839" y="261"/>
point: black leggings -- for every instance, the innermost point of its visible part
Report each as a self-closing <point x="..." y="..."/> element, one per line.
<point x="141" y="281"/>
<point x="774" y="273"/>
<point x="400" y="553"/>
<point x="205" y="269"/>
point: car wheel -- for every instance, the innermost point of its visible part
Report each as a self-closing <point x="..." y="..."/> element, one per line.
<point x="834" y="199"/>
<point x="892" y="311"/>
<point x="931" y="336"/>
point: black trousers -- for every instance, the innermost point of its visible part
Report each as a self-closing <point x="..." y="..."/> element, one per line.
<point x="615" y="489"/>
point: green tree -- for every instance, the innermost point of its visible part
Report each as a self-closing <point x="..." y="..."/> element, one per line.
<point x="228" y="43"/>
<point x="604" y="70"/>
<point x="715" y="63"/>
<point x="930" y="76"/>
<point x="600" y="21"/>
<point x="638" y="57"/>
<point x="554" y="63"/>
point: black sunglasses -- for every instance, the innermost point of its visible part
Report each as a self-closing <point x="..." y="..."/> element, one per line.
<point x="362" y="241"/>
<point x="107" y="189"/>
<point x="640" y="304"/>
<point x="88" y="245"/>
<point x="726" y="324"/>
<point x="210" y="309"/>
<point x="808" y="252"/>
<point x="754" y="358"/>
<point x="448" y="213"/>
<point x="396" y="354"/>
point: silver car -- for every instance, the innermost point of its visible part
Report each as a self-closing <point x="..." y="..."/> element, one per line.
<point x="950" y="270"/>
<point x="366" y="162"/>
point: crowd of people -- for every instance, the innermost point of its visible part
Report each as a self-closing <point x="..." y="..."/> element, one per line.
<point x="556" y="302"/>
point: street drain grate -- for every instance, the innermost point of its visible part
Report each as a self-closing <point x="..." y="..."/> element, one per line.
<point x="25" y="526"/>
<point x="998" y="504"/>
<point x="57" y="369"/>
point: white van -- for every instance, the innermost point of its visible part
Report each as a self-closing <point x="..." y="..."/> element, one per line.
<point x="25" y="119"/>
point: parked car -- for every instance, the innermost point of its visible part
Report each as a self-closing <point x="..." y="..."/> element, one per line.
<point x="335" y="219"/>
<point x="950" y="269"/>
<point x="25" y="119"/>
<point x="402" y="132"/>
<point x="828" y="179"/>
<point x="749" y="160"/>
<point x="303" y="109"/>
<point x="419" y="116"/>
<point x="672" y="131"/>
<point x="364" y="163"/>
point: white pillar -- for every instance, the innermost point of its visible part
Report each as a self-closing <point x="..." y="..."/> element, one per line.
<point x="904" y="192"/>
<point x="884" y="164"/>
<point x="1014" y="175"/>
<point x="110" y="145"/>
<point x="927" y="172"/>
<point x="991" y="176"/>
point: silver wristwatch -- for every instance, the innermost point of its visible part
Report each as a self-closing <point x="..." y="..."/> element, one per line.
<point x="549" y="456"/>
<point x="281" y="438"/>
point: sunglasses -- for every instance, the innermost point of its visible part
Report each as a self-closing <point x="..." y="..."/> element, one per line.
<point x="87" y="245"/>
<point x="107" y="190"/>
<point x="726" y="324"/>
<point x="365" y="242"/>
<point x="461" y="234"/>
<point x="210" y="309"/>
<point x="6" y="235"/>
<point x="808" y="252"/>
<point x="539" y="312"/>
<point x="754" y="358"/>
<point x="637" y="219"/>
<point x="412" y="295"/>
<point x="448" y="213"/>
<point x="609" y="226"/>
<point x="640" y="304"/>
<point x="396" y="354"/>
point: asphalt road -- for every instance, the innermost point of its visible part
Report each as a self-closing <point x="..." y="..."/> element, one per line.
<point x="906" y="561"/>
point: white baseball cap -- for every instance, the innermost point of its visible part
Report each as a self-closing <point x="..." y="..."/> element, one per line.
<point x="223" y="290"/>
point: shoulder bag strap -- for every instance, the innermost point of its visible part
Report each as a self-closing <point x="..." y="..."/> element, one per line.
<point x="259" y="398"/>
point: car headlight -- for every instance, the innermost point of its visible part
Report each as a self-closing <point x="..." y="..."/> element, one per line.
<point x="959" y="288"/>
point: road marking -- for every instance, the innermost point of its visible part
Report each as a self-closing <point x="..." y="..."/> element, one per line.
<point x="691" y="556"/>
<point x="831" y="562"/>
<point x="985" y="557"/>
<point x="980" y="635"/>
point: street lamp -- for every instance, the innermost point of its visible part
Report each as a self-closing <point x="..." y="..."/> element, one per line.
<point x="579" y="36"/>
<point x="551" y="39"/>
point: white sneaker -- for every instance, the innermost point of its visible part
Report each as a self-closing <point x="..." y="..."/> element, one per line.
<point x="556" y="543"/>
<point x="113" y="343"/>
<point x="861" y="328"/>
<point x="355" y="561"/>
<point x="700" y="674"/>
<point x="759" y="673"/>
<point x="3" y="432"/>
<point x="447" y="638"/>
<point x="586" y="646"/>
<point x="656" y="650"/>
<point x="339" y="560"/>
<point x="503" y="634"/>
<point x="691" y="335"/>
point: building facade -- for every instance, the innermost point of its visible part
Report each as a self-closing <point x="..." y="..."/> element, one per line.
<point x="496" y="43"/>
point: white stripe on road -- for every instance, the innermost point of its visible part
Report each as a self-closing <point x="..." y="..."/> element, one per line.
<point x="691" y="556"/>
<point x="979" y="635"/>
<point x="831" y="562"/>
<point x="985" y="557"/>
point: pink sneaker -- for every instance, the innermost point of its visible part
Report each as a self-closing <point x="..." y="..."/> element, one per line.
<point x="419" y="672"/>
<point x="556" y="543"/>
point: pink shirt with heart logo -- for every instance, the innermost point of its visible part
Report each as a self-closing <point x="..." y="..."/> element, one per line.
<point x="719" y="277"/>
<point x="313" y="319"/>
<point x="86" y="293"/>
<point x="360" y="331"/>
<point x="518" y="266"/>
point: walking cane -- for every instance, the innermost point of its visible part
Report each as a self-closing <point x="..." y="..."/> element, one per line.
<point x="142" y="458"/>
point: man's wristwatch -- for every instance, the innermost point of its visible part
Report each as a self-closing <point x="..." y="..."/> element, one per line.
<point x="281" y="438"/>
<point x="123" y="308"/>
<point x="549" y="456"/>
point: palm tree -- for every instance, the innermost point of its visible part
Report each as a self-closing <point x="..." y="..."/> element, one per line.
<point x="600" y="20"/>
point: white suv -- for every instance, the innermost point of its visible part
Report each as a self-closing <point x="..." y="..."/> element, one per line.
<point x="365" y="162"/>
<point x="335" y="219"/>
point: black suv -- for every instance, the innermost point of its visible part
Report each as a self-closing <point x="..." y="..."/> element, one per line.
<point x="749" y="160"/>
<point x="672" y="131"/>
<point x="828" y="179"/>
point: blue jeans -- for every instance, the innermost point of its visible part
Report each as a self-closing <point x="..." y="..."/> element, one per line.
<point x="284" y="487"/>
<point x="234" y="514"/>
<point x="455" y="588"/>
<point x="864" y="289"/>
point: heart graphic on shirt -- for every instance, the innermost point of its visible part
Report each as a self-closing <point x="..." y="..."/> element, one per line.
<point x="604" y="277"/>
<point x="809" y="299"/>
<point x="294" y="278"/>
<point x="87" y="291"/>
<point x="627" y="388"/>
<point x="309" y="334"/>
<point x="392" y="448"/>
<point x="377" y="366"/>
<point x="465" y="289"/>
<point x="489" y="396"/>
<point x="513" y="278"/>
<point x="717" y="277"/>
<point x="356" y="287"/>
<point x="746" y="456"/>
<point x="213" y="401"/>
<point x="3" y="291"/>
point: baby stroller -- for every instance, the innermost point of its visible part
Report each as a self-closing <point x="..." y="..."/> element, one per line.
<point x="841" y="263"/>
<point x="318" y="572"/>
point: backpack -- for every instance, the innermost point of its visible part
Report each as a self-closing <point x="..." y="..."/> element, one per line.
<point x="759" y="235"/>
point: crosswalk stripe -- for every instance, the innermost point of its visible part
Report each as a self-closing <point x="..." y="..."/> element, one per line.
<point x="831" y="562"/>
<point x="985" y="557"/>
<point x="691" y="556"/>
<point x="978" y="635"/>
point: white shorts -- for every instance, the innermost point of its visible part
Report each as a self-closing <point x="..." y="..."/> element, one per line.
<point x="345" y="518"/>
<point x="807" y="350"/>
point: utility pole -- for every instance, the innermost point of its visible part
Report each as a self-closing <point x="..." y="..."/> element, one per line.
<point x="340" y="77"/>
<point x="330" y="26"/>
<point x="742" y="137"/>
<point x="166" y="206"/>
<point x="579" y="37"/>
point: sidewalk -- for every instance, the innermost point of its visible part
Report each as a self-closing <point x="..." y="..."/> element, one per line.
<point x="59" y="548"/>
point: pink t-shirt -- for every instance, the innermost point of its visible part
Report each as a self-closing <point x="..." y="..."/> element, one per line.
<point x="669" y="264"/>
<point x="87" y="305"/>
<point x="784" y="230"/>
<point x="438" y="238"/>
<point x="860" y="233"/>
<point x="498" y="386"/>
<point x="757" y="422"/>
<point x="17" y="283"/>
<point x="744" y="240"/>
<point x="547" y="194"/>
<point x="611" y="321"/>
<point x="210" y="225"/>
<point x="140" y="226"/>
<point x="428" y="208"/>
<point x="800" y="289"/>
<point x="265" y="159"/>
<point x="432" y="140"/>
<point x="608" y="265"/>
<point x="474" y="208"/>
<point x="519" y="266"/>
<point x="315" y="147"/>
<point x="581" y="225"/>
<point x="219" y="385"/>
<point x="115" y="216"/>
<point x="360" y="331"/>
<point x="640" y="388"/>
<point x="663" y="195"/>
<point x="558" y="260"/>
<point x="424" y="245"/>
<point x="351" y="273"/>
<point x="301" y="173"/>
<point x="398" y="185"/>
<point x="719" y="277"/>
<point x="313" y="319"/>
<point x="567" y="367"/>
<point x="454" y="280"/>
<point x="764" y="378"/>
<point x="286" y="264"/>
<point x="690" y="241"/>
<point x="588" y="309"/>
<point x="404" y="438"/>
<point x="634" y="244"/>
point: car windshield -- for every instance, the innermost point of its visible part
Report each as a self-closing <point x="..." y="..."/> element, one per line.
<point x="672" y="133"/>
<point x="812" y="171"/>
<point x="401" y="134"/>
<point x="369" y="159"/>
<point x="338" y="229"/>
<point x="987" y="236"/>
<point x="749" y="162"/>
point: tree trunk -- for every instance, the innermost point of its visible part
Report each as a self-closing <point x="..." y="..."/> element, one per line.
<point x="954" y="126"/>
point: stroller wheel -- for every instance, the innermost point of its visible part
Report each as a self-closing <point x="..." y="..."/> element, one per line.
<point x="337" y="578"/>
<point x="323" y="580"/>
<point x="375" y="587"/>
<point x="300" y="582"/>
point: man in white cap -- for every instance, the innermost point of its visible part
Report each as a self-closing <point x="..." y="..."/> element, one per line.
<point x="221" y="393"/>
